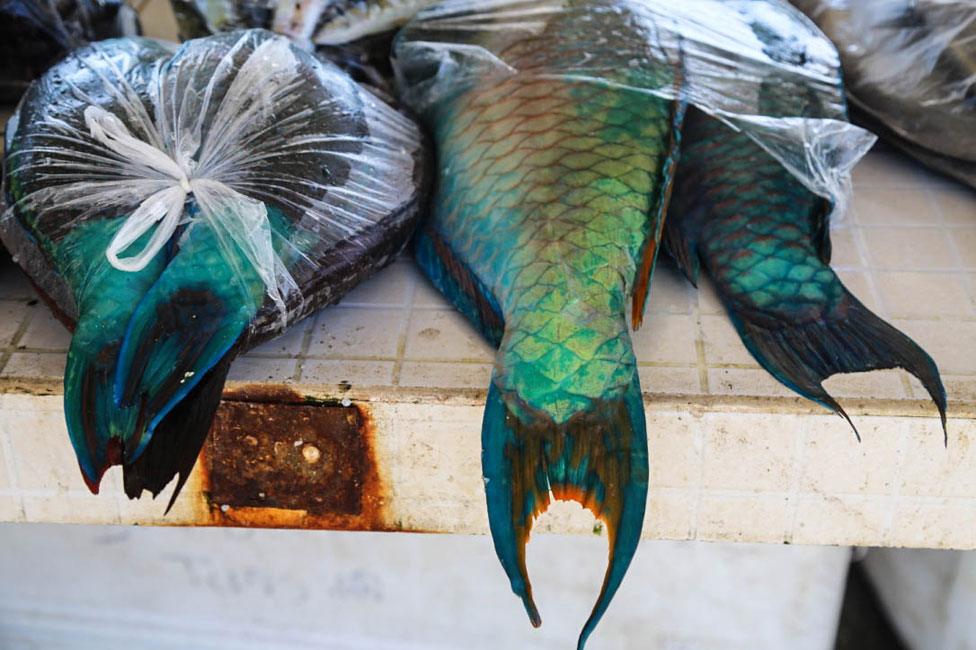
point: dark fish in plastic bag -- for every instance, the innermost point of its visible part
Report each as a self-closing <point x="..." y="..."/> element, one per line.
<point x="910" y="71"/>
<point x="177" y="208"/>
<point x="354" y="34"/>
<point x="35" y="34"/>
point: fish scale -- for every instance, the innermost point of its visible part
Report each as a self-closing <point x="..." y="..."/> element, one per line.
<point x="545" y="224"/>
<point x="524" y="163"/>
<point x="762" y="237"/>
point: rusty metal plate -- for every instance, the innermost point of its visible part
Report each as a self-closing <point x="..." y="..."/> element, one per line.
<point x="281" y="463"/>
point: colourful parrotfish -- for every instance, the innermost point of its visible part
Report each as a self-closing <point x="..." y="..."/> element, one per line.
<point x="557" y="127"/>
<point x="763" y="239"/>
<point x="544" y="229"/>
<point x="178" y="208"/>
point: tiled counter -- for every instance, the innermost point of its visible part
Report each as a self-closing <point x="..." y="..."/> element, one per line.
<point x="734" y="456"/>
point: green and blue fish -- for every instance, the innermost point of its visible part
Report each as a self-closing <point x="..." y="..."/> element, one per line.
<point x="559" y="127"/>
<point x="177" y="208"/>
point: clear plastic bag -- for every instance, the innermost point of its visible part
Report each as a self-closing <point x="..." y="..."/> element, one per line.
<point x="306" y="22"/>
<point x="910" y="64"/>
<point x="742" y="61"/>
<point x="34" y="34"/>
<point x="305" y="178"/>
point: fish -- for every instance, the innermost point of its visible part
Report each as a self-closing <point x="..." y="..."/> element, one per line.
<point x="763" y="238"/>
<point x="544" y="229"/>
<point x="308" y="22"/>
<point x="178" y="208"/>
<point x="566" y="162"/>
<point x="356" y="35"/>
<point x="35" y="34"/>
<point x="910" y="73"/>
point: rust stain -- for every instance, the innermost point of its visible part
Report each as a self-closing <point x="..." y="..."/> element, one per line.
<point x="276" y="460"/>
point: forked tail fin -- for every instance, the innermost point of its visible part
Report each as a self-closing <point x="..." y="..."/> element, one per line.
<point x="847" y="338"/>
<point x="598" y="458"/>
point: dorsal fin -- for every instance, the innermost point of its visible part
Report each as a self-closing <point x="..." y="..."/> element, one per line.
<point x="645" y="270"/>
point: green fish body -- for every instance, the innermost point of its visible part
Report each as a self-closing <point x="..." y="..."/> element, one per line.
<point x="763" y="239"/>
<point x="544" y="230"/>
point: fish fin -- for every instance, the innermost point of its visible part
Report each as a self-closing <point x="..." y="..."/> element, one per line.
<point x="178" y="438"/>
<point x="847" y="338"/>
<point x="178" y="334"/>
<point x="459" y="284"/>
<point x="195" y="315"/>
<point x="597" y="458"/>
<point x="99" y="430"/>
<point x="681" y="242"/>
<point x="90" y="411"/>
<point x="645" y="269"/>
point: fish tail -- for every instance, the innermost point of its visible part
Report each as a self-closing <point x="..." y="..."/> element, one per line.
<point x="101" y="432"/>
<point x="95" y="426"/>
<point x="597" y="458"/>
<point x="177" y="348"/>
<point x="847" y="338"/>
<point x="177" y="439"/>
<point x="762" y="238"/>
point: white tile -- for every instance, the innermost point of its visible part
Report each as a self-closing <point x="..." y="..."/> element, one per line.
<point x="12" y="315"/>
<point x="745" y="381"/>
<point x="45" y="332"/>
<point x="249" y="368"/>
<point x="427" y="296"/>
<point x="445" y="335"/>
<point x="670" y="291"/>
<point x="922" y="523"/>
<point x="722" y="342"/>
<point x="844" y="251"/>
<point x="957" y="204"/>
<point x="356" y="373"/>
<point x="46" y="365"/>
<point x="675" y="443"/>
<point x="445" y="375"/>
<point x="877" y="384"/>
<point x="909" y="248"/>
<point x="670" y="514"/>
<point x="288" y="344"/>
<point x="909" y="294"/>
<point x="664" y="380"/>
<point x="933" y="468"/>
<point x="834" y="462"/>
<point x="964" y="239"/>
<point x="742" y="518"/>
<point x="355" y="332"/>
<point x="840" y="520"/>
<point x="749" y="452"/>
<point x="391" y="287"/>
<point x="666" y="338"/>
<point x="894" y="207"/>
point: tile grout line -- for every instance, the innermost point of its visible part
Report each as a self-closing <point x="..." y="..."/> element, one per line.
<point x="302" y="355"/>
<point x="8" y="352"/>
<point x="968" y="284"/>
<point x="406" y="319"/>
<point x="702" y="362"/>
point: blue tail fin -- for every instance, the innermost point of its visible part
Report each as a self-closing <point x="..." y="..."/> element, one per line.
<point x="597" y="458"/>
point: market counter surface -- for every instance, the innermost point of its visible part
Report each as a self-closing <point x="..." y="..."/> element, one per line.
<point x="367" y="416"/>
